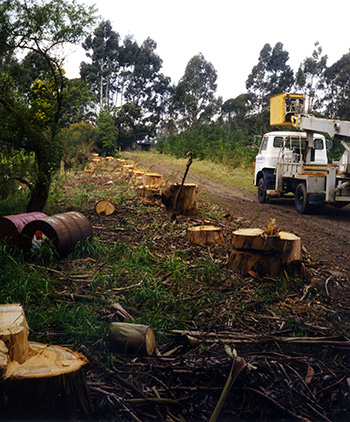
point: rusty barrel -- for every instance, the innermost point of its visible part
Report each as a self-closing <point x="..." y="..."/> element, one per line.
<point x="63" y="230"/>
<point x="11" y="226"/>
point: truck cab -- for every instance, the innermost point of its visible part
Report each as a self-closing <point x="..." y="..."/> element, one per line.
<point x="283" y="146"/>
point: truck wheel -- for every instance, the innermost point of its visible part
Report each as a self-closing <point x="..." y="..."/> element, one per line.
<point x="262" y="198"/>
<point x="301" y="203"/>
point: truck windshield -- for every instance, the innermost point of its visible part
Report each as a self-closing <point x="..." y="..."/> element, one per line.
<point x="296" y="142"/>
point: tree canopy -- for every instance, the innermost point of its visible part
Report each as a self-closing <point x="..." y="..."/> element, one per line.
<point x="31" y="108"/>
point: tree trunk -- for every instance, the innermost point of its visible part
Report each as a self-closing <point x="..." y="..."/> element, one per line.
<point x="41" y="187"/>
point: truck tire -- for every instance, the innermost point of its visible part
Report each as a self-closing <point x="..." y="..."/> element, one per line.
<point x="301" y="203"/>
<point x="262" y="197"/>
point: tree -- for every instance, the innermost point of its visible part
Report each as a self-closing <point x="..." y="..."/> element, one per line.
<point x="77" y="141"/>
<point x="239" y="108"/>
<point x="102" y="73"/>
<point x="30" y="120"/>
<point x="310" y="77"/>
<point x="338" y="88"/>
<point x="194" y="96"/>
<point x="271" y="75"/>
<point x="106" y="133"/>
<point x="78" y="102"/>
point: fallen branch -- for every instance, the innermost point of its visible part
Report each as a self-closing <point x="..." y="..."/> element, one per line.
<point x="234" y="337"/>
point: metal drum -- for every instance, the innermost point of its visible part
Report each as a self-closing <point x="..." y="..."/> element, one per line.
<point x="11" y="226"/>
<point x="63" y="230"/>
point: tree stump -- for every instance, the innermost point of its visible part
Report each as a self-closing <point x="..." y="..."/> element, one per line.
<point x="185" y="203"/>
<point x="38" y="381"/>
<point x="153" y="179"/>
<point x="136" y="176"/>
<point x="127" y="167"/>
<point x="132" y="338"/>
<point x="253" y="250"/>
<point x="205" y="235"/>
<point x="90" y="168"/>
<point x="105" y="207"/>
<point x="149" y="194"/>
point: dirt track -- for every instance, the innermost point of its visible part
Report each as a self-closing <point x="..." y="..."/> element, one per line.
<point x="326" y="236"/>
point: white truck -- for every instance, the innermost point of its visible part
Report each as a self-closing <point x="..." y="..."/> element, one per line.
<point x="296" y="162"/>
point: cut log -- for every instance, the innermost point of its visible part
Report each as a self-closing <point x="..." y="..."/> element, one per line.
<point x="153" y="179"/>
<point x="105" y="207"/>
<point x="109" y="158"/>
<point x="186" y="203"/>
<point x="132" y="338"/>
<point x="149" y="194"/>
<point x="205" y="235"/>
<point x="254" y="250"/>
<point x="14" y="332"/>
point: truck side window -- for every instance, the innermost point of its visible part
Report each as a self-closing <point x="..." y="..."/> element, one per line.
<point x="318" y="144"/>
<point x="277" y="141"/>
<point x="264" y="144"/>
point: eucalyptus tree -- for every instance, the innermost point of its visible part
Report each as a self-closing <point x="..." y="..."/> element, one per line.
<point x="310" y="78"/>
<point x="271" y="75"/>
<point x="194" y="96"/>
<point x="337" y="95"/>
<point x="30" y="118"/>
<point x="102" y="47"/>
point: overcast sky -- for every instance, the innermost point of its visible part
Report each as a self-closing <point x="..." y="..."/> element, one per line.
<point x="229" y="33"/>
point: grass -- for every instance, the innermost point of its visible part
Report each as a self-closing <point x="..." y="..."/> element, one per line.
<point x="229" y="176"/>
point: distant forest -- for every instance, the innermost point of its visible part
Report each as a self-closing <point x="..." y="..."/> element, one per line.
<point x="122" y="98"/>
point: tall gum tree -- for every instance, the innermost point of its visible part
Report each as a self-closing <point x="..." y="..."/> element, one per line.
<point x="31" y="120"/>
<point x="194" y="96"/>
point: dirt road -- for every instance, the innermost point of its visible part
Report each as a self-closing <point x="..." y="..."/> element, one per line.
<point x="326" y="236"/>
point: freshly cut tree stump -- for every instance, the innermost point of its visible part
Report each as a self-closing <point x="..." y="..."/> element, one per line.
<point x="14" y="332"/>
<point x="50" y="385"/>
<point x="153" y="179"/>
<point x="184" y="202"/>
<point x="105" y="207"/>
<point x="90" y="168"/>
<point x="136" y="176"/>
<point x="149" y="194"/>
<point x="127" y="167"/>
<point x="132" y="338"/>
<point x="254" y="250"/>
<point x="205" y="235"/>
<point x="38" y="381"/>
